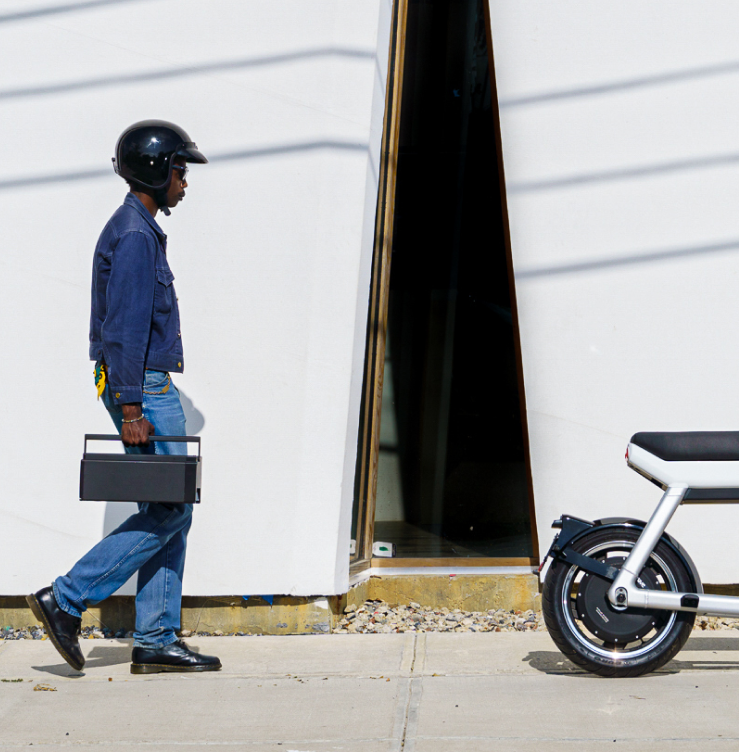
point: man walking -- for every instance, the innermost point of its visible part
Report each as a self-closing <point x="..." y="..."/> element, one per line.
<point x="136" y="343"/>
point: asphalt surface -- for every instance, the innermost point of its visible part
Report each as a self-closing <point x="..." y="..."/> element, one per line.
<point x="401" y="692"/>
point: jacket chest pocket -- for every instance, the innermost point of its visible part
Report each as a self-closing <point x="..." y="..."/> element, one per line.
<point x="164" y="296"/>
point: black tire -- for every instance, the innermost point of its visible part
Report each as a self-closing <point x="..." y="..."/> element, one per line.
<point x="569" y="620"/>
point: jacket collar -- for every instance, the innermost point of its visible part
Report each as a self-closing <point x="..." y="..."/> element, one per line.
<point x="135" y="202"/>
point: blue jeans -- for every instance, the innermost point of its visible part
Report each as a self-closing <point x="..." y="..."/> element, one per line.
<point x="151" y="542"/>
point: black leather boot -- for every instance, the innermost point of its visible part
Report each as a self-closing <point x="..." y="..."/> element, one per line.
<point x="63" y="628"/>
<point x="176" y="657"/>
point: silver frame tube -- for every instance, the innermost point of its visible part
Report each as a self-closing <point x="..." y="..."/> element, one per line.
<point x="625" y="582"/>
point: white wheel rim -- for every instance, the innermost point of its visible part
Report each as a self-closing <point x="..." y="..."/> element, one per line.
<point x="616" y="655"/>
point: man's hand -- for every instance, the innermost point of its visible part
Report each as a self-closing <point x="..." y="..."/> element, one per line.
<point x="135" y="434"/>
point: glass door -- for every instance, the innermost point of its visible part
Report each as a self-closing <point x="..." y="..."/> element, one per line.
<point x="447" y="471"/>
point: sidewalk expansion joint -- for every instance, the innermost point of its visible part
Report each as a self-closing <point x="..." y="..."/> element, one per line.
<point x="406" y="724"/>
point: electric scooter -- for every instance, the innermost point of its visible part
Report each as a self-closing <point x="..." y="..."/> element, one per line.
<point x="620" y="596"/>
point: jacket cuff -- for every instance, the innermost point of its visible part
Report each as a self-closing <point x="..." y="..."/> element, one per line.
<point x="124" y="394"/>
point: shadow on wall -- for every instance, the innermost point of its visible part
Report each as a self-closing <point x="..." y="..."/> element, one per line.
<point x="645" y="257"/>
<point x="195" y="420"/>
<point x="117" y="512"/>
<point x="612" y="87"/>
<point x="51" y="10"/>
<point x="172" y="72"/>
<point x="245" y="154"/>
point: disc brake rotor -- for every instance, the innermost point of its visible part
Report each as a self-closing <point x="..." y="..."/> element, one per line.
<point x="604" y="621"/>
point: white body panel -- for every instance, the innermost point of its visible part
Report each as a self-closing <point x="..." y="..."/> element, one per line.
<point x="689" y="474"/>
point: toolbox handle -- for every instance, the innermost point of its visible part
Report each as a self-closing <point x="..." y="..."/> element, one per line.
<point x="116" y="437"/>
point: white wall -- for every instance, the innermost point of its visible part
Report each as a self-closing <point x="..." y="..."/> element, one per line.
<point x="270" y="252"/>
<point x="620" y="127"/>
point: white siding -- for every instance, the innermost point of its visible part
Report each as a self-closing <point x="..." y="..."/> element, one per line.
<point x="620" y="127"/>
<point x="270" y="251"/>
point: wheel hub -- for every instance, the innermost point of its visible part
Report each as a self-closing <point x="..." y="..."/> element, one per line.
<point x="604" y="621"/>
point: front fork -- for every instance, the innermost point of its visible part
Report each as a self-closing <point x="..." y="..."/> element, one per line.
<point x="624" y="591"/>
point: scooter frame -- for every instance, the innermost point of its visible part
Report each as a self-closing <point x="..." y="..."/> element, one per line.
<point x="636" y="567"/>
<point x="624" y="592"/>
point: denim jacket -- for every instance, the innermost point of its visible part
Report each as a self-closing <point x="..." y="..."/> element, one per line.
<point x="134" y="322"/>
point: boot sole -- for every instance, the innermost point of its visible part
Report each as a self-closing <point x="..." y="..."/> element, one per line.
<point x="40" y="614"/>
<point x="163" y="668"/>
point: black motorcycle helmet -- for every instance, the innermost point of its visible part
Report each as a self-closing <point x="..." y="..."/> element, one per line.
<point x="145" y="152"/>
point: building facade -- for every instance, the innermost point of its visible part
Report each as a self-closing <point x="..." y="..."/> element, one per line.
<point x="446" y="258"/>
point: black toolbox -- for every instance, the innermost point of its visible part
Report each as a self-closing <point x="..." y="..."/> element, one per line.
<point x="157" y="478"/>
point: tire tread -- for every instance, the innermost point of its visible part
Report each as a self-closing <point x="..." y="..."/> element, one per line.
<point x="597" y="664"/>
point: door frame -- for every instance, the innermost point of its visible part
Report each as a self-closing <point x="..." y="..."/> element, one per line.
<point x="369" y="431"/>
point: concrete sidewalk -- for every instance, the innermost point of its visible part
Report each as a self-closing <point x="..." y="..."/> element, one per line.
<point x="370" y="693"/>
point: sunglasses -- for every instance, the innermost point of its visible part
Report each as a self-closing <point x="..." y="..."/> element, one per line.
<point x="183" y="172"/>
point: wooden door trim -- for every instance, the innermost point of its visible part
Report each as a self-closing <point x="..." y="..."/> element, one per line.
<point x="369" y="439"/>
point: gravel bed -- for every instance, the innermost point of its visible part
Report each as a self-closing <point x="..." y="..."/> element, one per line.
<point x="377" y="617"/>
<point x="715" y="622"/>
<point x="39" y="633"/>
<point x="99" y="633"/>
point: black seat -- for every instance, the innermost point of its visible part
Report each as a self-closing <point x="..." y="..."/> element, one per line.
<point x="710" y="446"/>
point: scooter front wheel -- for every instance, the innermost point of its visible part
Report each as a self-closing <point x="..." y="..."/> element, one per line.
<point x="591" y="633"/>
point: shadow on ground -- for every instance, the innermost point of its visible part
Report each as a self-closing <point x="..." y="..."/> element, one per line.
<point x="554" y="662"/>
<point x="99" y="657"/>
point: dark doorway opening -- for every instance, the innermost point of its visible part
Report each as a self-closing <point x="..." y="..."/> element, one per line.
<point x="452" y="471"/>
